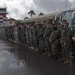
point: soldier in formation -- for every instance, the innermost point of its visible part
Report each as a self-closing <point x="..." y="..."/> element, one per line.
<point x="66" y="41"/>
<point x="73" y="38"/>
<point x="48" y="38"/>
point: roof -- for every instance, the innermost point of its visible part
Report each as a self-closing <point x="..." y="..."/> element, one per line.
<point x="43" y="17"/>
<point x="3" y="8"/>
<point x="47" y="16"/>
<point x="11" y="19"/>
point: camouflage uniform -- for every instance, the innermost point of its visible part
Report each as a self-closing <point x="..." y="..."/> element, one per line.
<point x="46" y="35"/>
<point x="24" y="31"/>
<point x="59" y="45"/>
<point x="16" y="33"/>
<point x="19" y="33"/>
<point x="54" y="43"/>
<point x="36" y="37"/>
<point x="73" y="42"/>
<point x="31" y="35"/>
<point x="12" y="33"/>
<point x="41" y="31"/>
<point x="27" y="34"/>
<point x="66" y="42"/>
<point x="6" y="32"/>
<point x="22" y="34"/>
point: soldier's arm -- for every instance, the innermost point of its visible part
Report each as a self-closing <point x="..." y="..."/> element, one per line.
<point x="68" y="36"/>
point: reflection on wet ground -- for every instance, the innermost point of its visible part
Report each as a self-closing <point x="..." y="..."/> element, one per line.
<point x="18" y="60"/>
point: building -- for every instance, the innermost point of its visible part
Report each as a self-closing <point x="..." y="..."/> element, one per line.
<point x="3" y="14"/>
<point x="11" y="22"/>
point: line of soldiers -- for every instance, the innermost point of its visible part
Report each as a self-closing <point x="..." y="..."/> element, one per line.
<point x="48" y="38"/>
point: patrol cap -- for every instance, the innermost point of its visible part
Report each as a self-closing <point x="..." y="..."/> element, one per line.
<point x="59" y="24"/>
<point x="74" y="23"/>
<point x="54" y="28"/>
<point x="44" y="21"/>
<point x="64" y="20"/>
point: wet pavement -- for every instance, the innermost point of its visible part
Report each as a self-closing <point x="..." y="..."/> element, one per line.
<point x="18" y="60"/>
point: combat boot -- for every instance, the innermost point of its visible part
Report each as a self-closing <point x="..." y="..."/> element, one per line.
<point x="49" y="54"/>
<point x="67" y="62"/>
<point x="62" y="59"/>
<point x="44" y="53"/>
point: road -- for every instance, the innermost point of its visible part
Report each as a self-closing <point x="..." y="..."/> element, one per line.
<point x="18" y="60"/>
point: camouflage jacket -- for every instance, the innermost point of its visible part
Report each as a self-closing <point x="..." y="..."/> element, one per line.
<point x="41" y="31"/>
<point x="48" y="31"/>
<point x="66" y="35"/>
<point x="73" y="31"/>
<point x="53" y="36"/>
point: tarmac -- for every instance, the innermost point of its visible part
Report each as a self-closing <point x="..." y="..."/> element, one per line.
<point x="16" y="59"/>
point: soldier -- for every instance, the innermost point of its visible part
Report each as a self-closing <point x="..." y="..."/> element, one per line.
<point x="30" y="35"/>
<point x="24" y="31"/>
<point x="73" y="37"/>
<point x="36" y="37"/>
<point x="46" y="35"/>
<point x="41" y="38"/>
<point x="12" y="32"/>
<point x="54" y="42"/>
<point x="5" y="32"/>
<point x="27" y="33"/>
<point x="22" y="34"/>
<point x="34" y="33"/>
<point x="19" y="33"/>
<point x="59" y="28"/>
<point x="8" y="32"/>
<point x="16" y="34"/>
<point x="66" y="42"/>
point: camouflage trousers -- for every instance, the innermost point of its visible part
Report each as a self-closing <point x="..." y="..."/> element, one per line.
<point x="35" y="41"/>
<point x="66" y="49"/>
<point x="31" y="39"/>
<point x="41" y="44"/>
<point x="19" y="37"/>
<point x="54" y="49"/>
<point x="73" y="51"/>
<point x="73" y="46"/>
<point x="47" y="45"/>
<point x="23" y="38"/>
<point x="16" y="37"/>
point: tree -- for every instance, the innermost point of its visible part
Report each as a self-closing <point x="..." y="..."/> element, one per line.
<point x="25" y="18"/>
<point x="18" y="22"/>
<point x="41" y="14"/>
<point x="31" y="13"/>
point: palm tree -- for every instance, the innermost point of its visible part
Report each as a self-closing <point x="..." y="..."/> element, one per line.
<point x="31" y="13"/>
<point x="41" y="14"/>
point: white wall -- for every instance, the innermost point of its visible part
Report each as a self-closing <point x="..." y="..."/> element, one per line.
<point x="11" y="24"/>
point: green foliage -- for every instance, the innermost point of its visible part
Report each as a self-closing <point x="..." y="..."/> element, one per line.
<point x="31" y="12"/>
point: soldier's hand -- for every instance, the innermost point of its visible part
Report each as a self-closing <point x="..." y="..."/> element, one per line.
<point x="65" y="44"/>
<point x="73" y="38"/>
<point x="44" y="36"/>
<point x="61" y="42"/>
<point x="49" y="40"/>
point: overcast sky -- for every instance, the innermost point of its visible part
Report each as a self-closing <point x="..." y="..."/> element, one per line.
<point x="18" y="9"/>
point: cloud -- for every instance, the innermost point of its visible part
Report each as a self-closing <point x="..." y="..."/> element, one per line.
<point x="18" y="9"/>
<point x="52" y="5"/>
